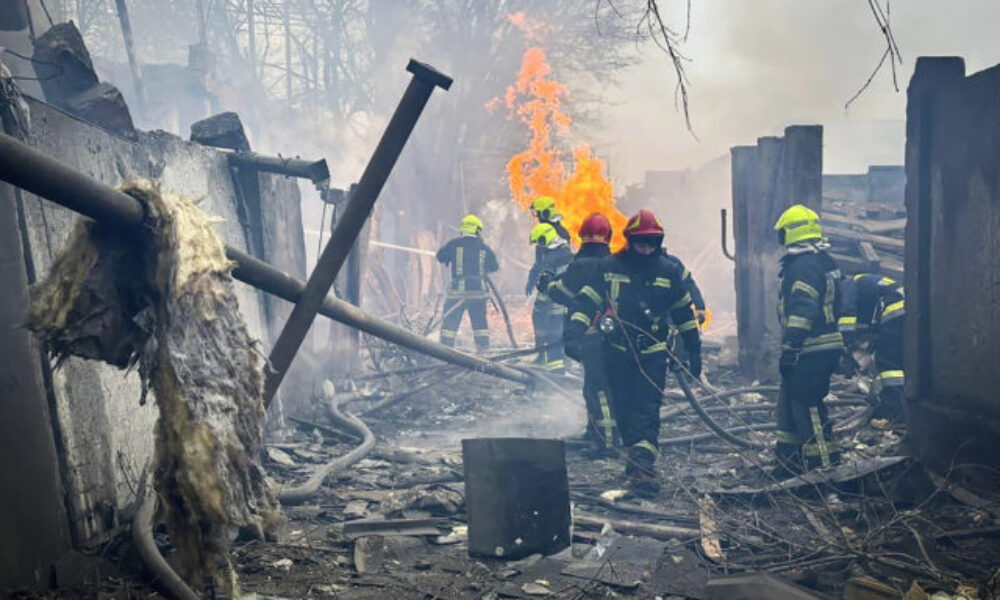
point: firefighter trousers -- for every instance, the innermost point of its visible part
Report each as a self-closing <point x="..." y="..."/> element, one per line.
<point x="547" y="321"/>
<point x="805" y="435"/>
<point x="637" y="385"/>
<point x="601" y="424"/>
<point x="454" y="309"/>
<point x="889" y="361"/>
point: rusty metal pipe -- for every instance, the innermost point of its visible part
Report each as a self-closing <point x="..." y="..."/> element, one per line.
<point x="418" y="92"/>
<point x="725" y="246"/>
<point x="46" y="177"/>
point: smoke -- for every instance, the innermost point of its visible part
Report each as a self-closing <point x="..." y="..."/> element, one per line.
<point x="756" y="67"/>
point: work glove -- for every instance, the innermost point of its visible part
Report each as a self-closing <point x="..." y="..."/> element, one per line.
<point x="694" y="364"/>
<point x="528" y="288"/>
<point x="544" y="280"/>
<point x="700" y="315"/>
<point x="787" y="363"/>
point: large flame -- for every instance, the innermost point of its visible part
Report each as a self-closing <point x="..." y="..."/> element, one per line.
<point x="539" y="169"/>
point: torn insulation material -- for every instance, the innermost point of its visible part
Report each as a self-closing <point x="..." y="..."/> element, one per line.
<point x="161" y="299"/>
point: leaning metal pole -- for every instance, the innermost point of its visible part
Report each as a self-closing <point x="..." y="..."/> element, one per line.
<point x="46" y="177"/>
<point x="424" y="80"/>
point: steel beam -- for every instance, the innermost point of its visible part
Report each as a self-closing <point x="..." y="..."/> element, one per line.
<point x="46" y="177"/>
<point x="359" y="207"/>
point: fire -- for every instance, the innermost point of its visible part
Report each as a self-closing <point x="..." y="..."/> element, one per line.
<point x="539" y="170"/>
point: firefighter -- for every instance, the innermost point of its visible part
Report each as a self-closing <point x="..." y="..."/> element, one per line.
<point x="595" y="235"/>
<point x="544" y="209"/>
<point x="874" y="307"/>
<point x="471" y="260"/>
<point x="552" y="257"/>
<point x="811" y="344"/>
<point x="639" y="297"/>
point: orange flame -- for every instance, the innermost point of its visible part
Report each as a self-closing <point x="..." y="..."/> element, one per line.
<point x="539" y="169"/>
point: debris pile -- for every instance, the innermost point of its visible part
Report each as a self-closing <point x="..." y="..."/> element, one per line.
<point x="162" y="300"/>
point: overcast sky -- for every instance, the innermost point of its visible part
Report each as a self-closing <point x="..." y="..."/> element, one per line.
<point x="759" y="65"/>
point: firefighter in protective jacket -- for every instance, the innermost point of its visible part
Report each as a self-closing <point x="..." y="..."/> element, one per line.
<point x="595" y="235"/>
<point x="471" y="260"/>
<point x="874" y="307"/>
<point x="811" y="345"/>
<point x="639" y="297"/>
<point x="553" y="257"/>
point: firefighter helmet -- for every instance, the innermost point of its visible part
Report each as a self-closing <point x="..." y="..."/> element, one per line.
<point x="545" y="208"/>
<point x="544" y="234"/>
<point x="471" y="224"/>
<point x="644" y="223"/>
<point x="595" y="228"/>
<point x="797" y="224"/>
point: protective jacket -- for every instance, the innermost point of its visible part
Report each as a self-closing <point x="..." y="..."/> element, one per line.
<point x="554" y="258"/>
<point x="470" y="260"/>
<point x="586" y="266"/>
<point x="868" y="300"/>
<point x="696" y="298"/>
<point x="647" y="293"/>
<point x="809" y="302"/>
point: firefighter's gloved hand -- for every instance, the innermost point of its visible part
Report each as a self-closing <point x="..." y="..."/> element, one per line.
<point x="788" y="361"/>
<point x="694" y="364"/>
<point x="528" y="288"/>
<point x="544" y="280"/>
<point x="701" y="316"/>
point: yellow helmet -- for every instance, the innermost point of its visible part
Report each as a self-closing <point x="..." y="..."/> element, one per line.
<point x="544" y="207"/>
<point x="543" y="234"/>
<point x="798" y="223"/>
<point x="471" y="224"/>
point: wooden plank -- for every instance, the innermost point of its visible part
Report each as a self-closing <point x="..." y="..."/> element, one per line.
<point x="876" y="226"/>
<point x="880" y="241"/>
<point x="869" y="255"/>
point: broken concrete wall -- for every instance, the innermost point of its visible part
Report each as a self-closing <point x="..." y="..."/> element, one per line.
<point x="953" y="262"/>
<point x="105" y="435"/>
<point x="767" y="179"/>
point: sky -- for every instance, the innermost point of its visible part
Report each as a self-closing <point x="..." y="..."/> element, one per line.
<point x="757" y="66"/>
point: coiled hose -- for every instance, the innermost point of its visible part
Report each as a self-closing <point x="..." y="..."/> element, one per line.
<point x="300" y="493"/>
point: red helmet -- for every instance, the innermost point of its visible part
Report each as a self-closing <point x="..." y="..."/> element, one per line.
<point x="595" y="228"/>
<point x="643" y="222"/>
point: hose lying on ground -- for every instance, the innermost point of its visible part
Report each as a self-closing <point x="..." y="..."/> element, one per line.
<point x="142" y="536"/>
<point x="708" y="420"/>
<point x="851" y="424"/>
<point x="301" y="493"/>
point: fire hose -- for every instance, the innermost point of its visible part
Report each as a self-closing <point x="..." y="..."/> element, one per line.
<point x="300" y="493"/>
<point x="503" y="310"/>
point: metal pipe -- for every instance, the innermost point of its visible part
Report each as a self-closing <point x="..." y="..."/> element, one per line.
<point x="262" y="275"/>
<point x="316" y="171"/>
<point x="38" y="173"/>
<point x="725" y="247"/>
<point x="32" y="170"/>
<point x="418" y="92"/>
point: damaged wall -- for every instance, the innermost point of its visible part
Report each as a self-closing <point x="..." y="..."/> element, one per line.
<point x="953" y="262"/>
<point x="104" y="433"/>
<point x="767" y="179"/>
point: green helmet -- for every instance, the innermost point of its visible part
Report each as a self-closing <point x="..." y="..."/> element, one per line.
<point x="471" y="224"/>
<point x="545" y="208"/>
<point x="797" y="224"/>
<point x="544" y="234"/>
